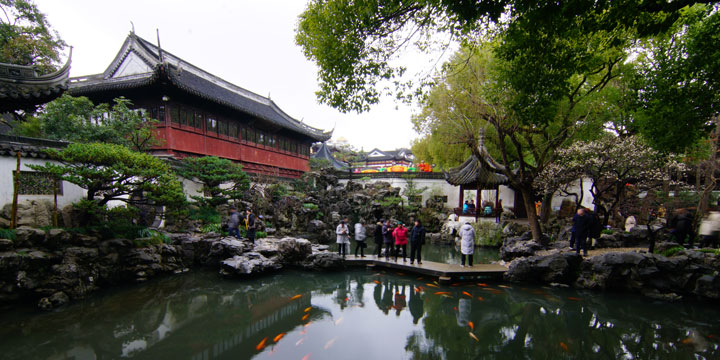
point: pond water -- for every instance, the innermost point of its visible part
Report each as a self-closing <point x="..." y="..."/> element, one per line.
<point x="450" y="254"/>
<point x="357" y="315"/>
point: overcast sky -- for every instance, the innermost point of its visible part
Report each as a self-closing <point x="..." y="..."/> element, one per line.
<point x="247" y="42"/>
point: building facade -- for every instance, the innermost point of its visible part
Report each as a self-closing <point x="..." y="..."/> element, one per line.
<point x="201" y="114"/>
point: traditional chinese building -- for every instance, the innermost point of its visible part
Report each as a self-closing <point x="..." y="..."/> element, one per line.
<point x="377" y="158"/>
<point x="22" y="88"/>
<point x="201" y="114"/>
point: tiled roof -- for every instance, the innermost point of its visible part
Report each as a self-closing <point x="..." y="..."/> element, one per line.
<point x="22" y="89"/>
<point x="188" y="78"/>
<point x="324" y="154"/>
<point x="28" y="147"/>
<point x="474" y="170"/>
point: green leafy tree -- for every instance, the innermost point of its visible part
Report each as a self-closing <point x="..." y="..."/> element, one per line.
<point x="113" y="172"/>
<point x="26" y="37"/>
<point x="77" y="119"/>
<point x="212" y="172"/>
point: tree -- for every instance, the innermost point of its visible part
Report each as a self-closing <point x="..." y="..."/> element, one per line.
<point x="212" y="172"/>
<point x="113" y="172"/>
<point x="612" y="164"/>
<point x="77" y="119"/>
<point x="26" y="37"/>
<point x="354" y="43"/>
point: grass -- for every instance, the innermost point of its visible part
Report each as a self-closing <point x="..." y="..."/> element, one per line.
<point x="672" y="251"/>
<point x="7" y="234"/>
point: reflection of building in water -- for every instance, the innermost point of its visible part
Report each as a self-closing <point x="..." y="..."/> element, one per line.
<point x="264" y="316"/>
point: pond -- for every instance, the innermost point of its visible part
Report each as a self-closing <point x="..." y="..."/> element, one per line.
<point x="357" y="314"/>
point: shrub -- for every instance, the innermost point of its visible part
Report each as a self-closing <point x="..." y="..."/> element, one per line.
<point x="260" y="235"/>
<point x="145" y="242"/>
<point x="211" y="228"/>
<point x="672" y="251"/>
<point x="310" y="206"/>
<point x="607" y="231"/>
<point x="488" y="234"/>
<point x="710" y="251"/>
<point x="206" y="215"/>
<point x="7" y="234"/>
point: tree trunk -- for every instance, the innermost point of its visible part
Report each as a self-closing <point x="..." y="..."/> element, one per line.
<point x="529" y="201"/>
<point x="546" y="208"/>
<point x="16" y="184"/>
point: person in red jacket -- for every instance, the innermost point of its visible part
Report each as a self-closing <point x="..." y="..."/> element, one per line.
<point x="401" y="235"/>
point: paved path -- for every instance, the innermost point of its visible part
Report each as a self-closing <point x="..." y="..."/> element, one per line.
<point x="444" y="272"/>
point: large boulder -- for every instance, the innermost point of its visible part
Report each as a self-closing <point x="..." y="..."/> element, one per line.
<point x="248" y="264"/>
<point x="293" y="251"/>
<point x="619" y="270"/>
<point x="26" y="236"/>
<point x="316" y="227"/>
<point x="560" y="267"/>
<point x="324" y="261"/>
<point x="518" y="247"/>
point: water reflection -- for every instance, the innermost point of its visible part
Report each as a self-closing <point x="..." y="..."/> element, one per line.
<point x="318" y="316"/>
<point x="449" y="254"/>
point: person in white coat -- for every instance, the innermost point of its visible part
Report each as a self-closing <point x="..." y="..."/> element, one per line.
<point x="343" y="238"/>
<point x="467" y="243"/>
<point x="360" y="238"/>
<point x="709" y="228"/>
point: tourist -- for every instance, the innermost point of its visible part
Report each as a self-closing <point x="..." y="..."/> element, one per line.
<point x="250" y="225"/>
<point x="630" y="223"/>
<point x="467" y="243"/>
<point x="387" y="232"/>
<point x="582" y="230"/>
<point x="401" y="236"/>
<point x="360" y="238"/>
<point x="417" y="239"/>
<point x="415" y="304"/>
<point x="498" y="210"/>
<point x="573" y="230"/>
<point x="709" y="228"/>
<point x="343" y="238"/>
<point x="680" y="225"/>
<point x="466" y="207"/>
<point x="472" y="207"/>
<point x="234" y="223"/>
<point x="378" y="238"/>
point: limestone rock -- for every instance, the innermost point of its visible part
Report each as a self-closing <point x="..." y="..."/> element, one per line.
<point x="26" y="236"/>
<point x="324" y="261"/>
<point x="316" y="226"/>
<point x="56" y="300"/>
<point x="6" y="244"/>
<point x="555" y="268"/>
<point x="518" y="247"/>
<point x="293" y="250"/>
<point x="248" y="264"/>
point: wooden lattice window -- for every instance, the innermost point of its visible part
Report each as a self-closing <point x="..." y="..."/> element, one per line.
<point x="37" y="183"/>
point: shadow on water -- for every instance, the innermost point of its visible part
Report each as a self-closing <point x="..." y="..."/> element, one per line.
<point x="358" y="315"/>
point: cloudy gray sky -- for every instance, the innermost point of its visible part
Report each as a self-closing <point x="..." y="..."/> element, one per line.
<point x="247" y="42"/>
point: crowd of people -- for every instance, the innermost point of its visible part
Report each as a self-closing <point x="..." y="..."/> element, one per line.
<point x="393" y="237"/>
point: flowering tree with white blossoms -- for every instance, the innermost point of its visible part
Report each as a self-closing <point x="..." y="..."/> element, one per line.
<point x="612" y="164"/>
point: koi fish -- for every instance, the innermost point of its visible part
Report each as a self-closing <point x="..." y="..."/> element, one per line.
<point x="432" y="285"/>
<point x="330" y="343"/>
<point x="482" y="284"/>
<point x="564" y="347"/>
<point x="455" y="308"/>
<point x="473" y="336"/>
<point x="347" y="298"/>
<point x="574" y="298"/>
<point x="418" y="289"/>
<point x="303" y="332"/>
<point x="308" y="324"/>
<point x="686" y="341"/>
<point x="711" y="336"/>
<point x="305" y="317"/>
<point x="505" y="286"/>
<point x="307" y="309"/>
<point x="471" y="325"/>
<point x="489" y="289"/>
<point x="447" y="296"/>
<point x="300" y="342"/>
<point x="377" y="282"/>
<point x="339" y="321"/>
<point x="261" y="344"/>
<point x="401" y="274"/>
<point x="467" y="293"/>
<point x="278" y="337"/>
<point x="455" y="284"/>
<point x="296" y="297"/>
<point x="419" y="278"/>
<point x="442" y="293"/>
<point x="481" y="298"/>
<point x="306" y="357"/>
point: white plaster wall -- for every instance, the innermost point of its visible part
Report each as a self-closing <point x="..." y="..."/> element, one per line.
<point x="71" y="192"/>
<point x="587" y="200"/>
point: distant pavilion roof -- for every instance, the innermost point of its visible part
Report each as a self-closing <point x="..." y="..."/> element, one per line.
<point x="139" y="63"/>
<point x="21" y="88"/>
<point x="324" y="154"/>
<point x="474" y="172"/>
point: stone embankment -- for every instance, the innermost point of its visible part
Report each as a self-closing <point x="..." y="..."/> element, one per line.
<point x="54" y="267"/>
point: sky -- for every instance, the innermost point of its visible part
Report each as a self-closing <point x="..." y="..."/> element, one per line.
<point x="250" y="43"/>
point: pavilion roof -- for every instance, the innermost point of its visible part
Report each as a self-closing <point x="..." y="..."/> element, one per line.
<point x="475" y="171"/>
<point x="140" y="63"/>
<point x="324" y="154"/>
<point x="21" y="88"/>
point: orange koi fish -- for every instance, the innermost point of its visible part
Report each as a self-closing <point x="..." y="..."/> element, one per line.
<point x="489" y="289"/>
<point x="305" y="317"/>
<point x="339" y="321"/>
<point x="482" y="284"/>
<point x="261" y="344"/>
<point x="467" y="293"/>
<point x="471" y="325"/>
<point x="481" y="298"/>
<point x="432" y="285"/>
<point x="473" y="336"/>
<point x="686" y="341"/>
<point x="307" y="309"/>
<point x="296" y="297"/>
<point x="574" y="298"/>
<point x="442" y="293"/>
<point x="330" y="343"/>
<point x="278" y="337"/>
<point x="564" y="346"/>
<point x="418" y="289"/>
<point x="377" y="282"/>
<point x="307" y="357"/>
<point x="455" y="284"/>
<point x="419" y="278"/>
<point x="308" y="324"/>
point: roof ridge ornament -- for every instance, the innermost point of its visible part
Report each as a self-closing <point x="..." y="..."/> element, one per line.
<point x="160" y="52"/>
